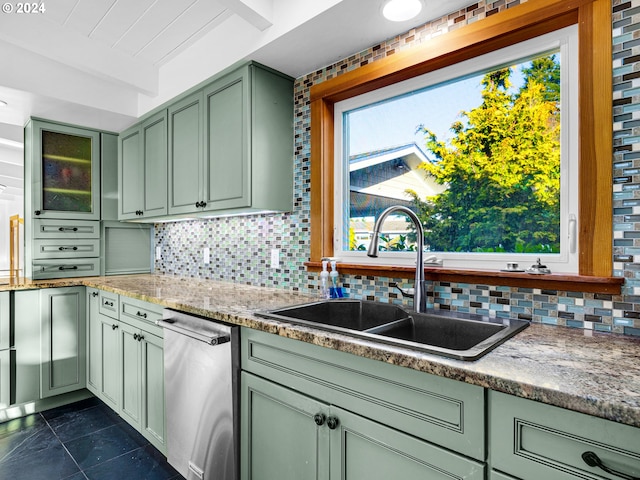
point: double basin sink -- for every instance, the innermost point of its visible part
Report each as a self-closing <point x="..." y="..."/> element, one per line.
<point x="464" y="337"/>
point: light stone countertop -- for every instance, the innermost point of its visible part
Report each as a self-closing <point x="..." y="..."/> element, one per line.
<point x="584" y="371"/>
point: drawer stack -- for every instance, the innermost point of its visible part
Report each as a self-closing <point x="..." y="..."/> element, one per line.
<point x="65" y="248"/>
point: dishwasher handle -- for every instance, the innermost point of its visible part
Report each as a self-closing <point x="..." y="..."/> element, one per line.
<point x="212" y="340"/>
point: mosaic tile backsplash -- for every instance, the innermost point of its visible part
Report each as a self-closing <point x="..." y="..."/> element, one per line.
<point x="241" y="246"/>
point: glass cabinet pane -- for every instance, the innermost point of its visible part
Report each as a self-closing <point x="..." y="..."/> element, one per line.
<point x="66" y="172"/>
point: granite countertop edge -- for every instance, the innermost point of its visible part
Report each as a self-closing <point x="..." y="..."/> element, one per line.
<point x="593" y="373"/>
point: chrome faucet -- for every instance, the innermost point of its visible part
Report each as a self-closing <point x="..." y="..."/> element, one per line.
<point x="419" y="298"/>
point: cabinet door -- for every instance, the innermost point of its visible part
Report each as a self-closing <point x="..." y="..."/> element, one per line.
<point x="4" y="320"/>
<point x="131" y="379"/>
<point x="154" y="150"/>
<point x="365" y="450"/>
<point x="153" y="422"/>
<point x="227" y="133"/>
<point x="185" y="154"/>
<point x="5" y="355"/>
<point x="65" y="171"/>
<point x="94" y="342"/>
<point x="279" y="436"/>
<point x="130" y="174"/>
<point x="63" y="360"/>
<point x="110" y="358"/>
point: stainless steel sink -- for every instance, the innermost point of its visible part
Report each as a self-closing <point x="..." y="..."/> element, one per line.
<point x="460" y="336"/>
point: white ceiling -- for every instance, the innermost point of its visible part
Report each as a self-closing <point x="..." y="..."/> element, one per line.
<point x="104" y="63"/>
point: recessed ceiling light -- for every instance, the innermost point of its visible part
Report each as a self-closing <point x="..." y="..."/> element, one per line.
<point x="401" y="10"/>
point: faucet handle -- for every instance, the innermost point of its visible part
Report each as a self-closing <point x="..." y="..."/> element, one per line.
<point x="406" y="292"/>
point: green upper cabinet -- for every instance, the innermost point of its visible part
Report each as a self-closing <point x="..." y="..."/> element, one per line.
<point x="231" y="145"/>
<point x="62" y="171"/>
<point x="228" y="150"/>
<point x="227" y="175"/>
<point x="185" y="154"/>
<point x="142" y="169"/>
<point x="248" y="142"/>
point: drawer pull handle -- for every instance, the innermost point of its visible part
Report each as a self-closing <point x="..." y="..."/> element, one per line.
<point x="74" y="267"/>
<point x="143" y="315"/>
<point x="591" y="459"/>
<point x="62" y="249"/>
<point x="68" y="229"/>
<point x="94" y="294"/>
<point x="114" y="326"/>
<point x="332" y="423"/>
<point x="108" y="304"/>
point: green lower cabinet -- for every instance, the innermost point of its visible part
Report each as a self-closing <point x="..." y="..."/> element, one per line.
<point x="126" y="362"/>
<point x="142" y="382"/>
<point x="109" y="358"/>
<point x="279" y="437"/>
<point x="5" y="352"/>
<point x="63" y="360"/>
<point x="131" y="368"/>
<point x="534" y="441"/>
<point x="94" y="364"/>
<point x="287" y="435"/>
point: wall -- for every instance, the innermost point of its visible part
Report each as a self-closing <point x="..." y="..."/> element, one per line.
<point x="240" y="247"/>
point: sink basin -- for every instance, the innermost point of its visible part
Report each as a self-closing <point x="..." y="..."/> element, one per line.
<point x="460" y="336"/>
<point x="340" y="314"/>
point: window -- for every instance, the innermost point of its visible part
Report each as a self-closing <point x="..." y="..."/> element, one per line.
<point x="509" y="27"/>
<point x="495" y="184"/>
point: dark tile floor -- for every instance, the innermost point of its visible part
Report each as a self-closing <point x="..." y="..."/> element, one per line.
<point x="84" y="440"/>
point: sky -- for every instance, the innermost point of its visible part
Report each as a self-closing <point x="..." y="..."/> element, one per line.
<point x="394" y="122"/>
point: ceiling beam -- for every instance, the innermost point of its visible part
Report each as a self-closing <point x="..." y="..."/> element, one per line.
<point x="258" y="13"/>
<point x="44" y="37"/>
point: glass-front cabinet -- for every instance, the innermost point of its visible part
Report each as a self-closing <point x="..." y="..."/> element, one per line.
<point x="65" y="164"/>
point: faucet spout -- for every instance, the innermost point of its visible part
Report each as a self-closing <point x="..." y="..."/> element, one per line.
<point x="419" y="299"/>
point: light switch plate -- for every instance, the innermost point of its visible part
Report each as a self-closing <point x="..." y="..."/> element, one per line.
<point x="158" y="253"/>
<point x="206" y="254"/>
<point x="275" y="258"/>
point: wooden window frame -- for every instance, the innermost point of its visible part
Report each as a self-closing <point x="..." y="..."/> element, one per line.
<point x="511" y="26"/>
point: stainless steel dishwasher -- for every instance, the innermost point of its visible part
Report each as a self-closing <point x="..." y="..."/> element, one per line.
<point x="201" y="389"/>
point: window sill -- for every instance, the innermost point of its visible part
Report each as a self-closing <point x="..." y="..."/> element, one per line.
<point x="552" y="281"/>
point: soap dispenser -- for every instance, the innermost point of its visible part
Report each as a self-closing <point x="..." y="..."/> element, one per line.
<point x="335" y="291"/>
<point x="324" y="281"/>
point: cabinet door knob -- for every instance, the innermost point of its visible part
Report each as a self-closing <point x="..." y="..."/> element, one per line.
<point x="114" y="326"/>
<point x="37" y="212"/>
<point x="332" y="423"/>
<point x="203" y="204"/>
<point x="319" y="419"/>
<point x="591" y="459"/>
<point x="140" y="338"/>
<point x="135" y="336"/>
<point x="94" y="294"/>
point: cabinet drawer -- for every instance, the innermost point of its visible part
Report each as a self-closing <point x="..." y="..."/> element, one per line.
<point x="533" y="440"/>
<point x="61" y="268"/>
<point x="66" y="229"/>
<point x="142" y="315"/>
<point x="109" y="304"/>
<point x="433" y="408"/>
<point x="87" y="247"/>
